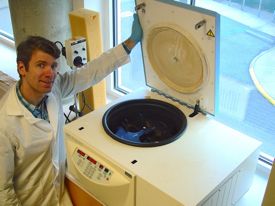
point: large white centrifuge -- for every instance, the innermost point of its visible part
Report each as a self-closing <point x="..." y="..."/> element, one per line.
<point x="161" y="146"/>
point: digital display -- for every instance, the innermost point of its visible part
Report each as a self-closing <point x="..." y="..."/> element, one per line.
<point x="91" y="160"/>
<point x="80" y="152"/>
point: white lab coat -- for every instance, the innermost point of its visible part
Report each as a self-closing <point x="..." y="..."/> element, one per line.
<point x="28" y="145"/>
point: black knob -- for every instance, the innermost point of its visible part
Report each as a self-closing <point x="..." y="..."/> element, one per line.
<point x="78" y="61"/>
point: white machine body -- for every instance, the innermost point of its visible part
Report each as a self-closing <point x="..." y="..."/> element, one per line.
<point x="210" y="164"/>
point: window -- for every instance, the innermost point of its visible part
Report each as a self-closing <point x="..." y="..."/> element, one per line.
<point x="7" y="48"/>
<point x="5" y="23"/>
<point x="244" y="35"/>
<point x="132" y="75"/>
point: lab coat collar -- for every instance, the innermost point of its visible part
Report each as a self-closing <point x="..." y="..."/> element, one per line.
<point x="52" y="107"/>
<point x="15" y="108"/>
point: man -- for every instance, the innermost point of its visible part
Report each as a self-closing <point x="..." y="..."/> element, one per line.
<point x="32" y="153"/>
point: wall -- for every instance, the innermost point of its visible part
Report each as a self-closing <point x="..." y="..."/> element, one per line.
<point x="104" y="7"/>
<point x="47" y="18"/>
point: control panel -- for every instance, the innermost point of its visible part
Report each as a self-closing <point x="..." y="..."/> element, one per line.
<point x="76" y="51"/>
<point x="90" y="167"/>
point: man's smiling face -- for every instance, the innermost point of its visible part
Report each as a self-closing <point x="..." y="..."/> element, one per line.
<point x="38" y="78"/>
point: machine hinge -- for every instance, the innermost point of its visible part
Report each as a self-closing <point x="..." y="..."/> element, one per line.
<point x="140" y="6"/>
<point x="196" y="109"/>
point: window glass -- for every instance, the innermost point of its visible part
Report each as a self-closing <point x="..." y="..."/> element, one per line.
<point x="132" y="75"/>
<point x="247" y="37"/>
<point x="247" y="33"/>
<point x="5" y="20"/>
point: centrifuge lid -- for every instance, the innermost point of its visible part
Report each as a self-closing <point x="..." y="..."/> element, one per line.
<point x="180" y="51"/>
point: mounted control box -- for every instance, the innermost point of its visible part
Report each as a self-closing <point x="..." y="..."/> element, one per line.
<point x="76" y="52"/>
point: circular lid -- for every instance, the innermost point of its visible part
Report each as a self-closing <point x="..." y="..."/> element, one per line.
<point x="170" y="50"/>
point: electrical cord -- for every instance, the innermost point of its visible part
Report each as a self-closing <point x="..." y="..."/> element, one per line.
<point x="84" y="103"/>
<point x="67" y="117"/>
<point x="73" y="107"/>
<point x="63" y="49"/>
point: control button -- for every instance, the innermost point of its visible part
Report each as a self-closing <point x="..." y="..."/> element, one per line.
<point x="99" y="177"/>
<point x="79" y="162"/>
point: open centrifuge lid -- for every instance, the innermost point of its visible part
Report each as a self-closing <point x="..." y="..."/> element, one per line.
<point x="180" y="47"/>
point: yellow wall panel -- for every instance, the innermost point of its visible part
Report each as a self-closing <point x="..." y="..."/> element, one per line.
<point x="86" y="23"/>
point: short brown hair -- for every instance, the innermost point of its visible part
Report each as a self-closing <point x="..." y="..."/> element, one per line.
<point x="33" y="43"/>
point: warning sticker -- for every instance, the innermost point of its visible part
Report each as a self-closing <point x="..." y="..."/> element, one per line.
<point x="210" y="33"/>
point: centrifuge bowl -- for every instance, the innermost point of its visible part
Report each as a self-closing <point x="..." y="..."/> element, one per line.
<point x="144" y="122"/>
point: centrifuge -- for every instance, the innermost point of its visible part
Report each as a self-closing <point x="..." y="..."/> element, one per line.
<point x="160" y="145"/>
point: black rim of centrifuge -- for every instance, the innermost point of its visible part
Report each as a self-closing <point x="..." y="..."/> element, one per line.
<point x="145" y="102"/>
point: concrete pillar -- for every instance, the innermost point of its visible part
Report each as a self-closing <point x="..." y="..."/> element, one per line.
<point x="47" y="18"/>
